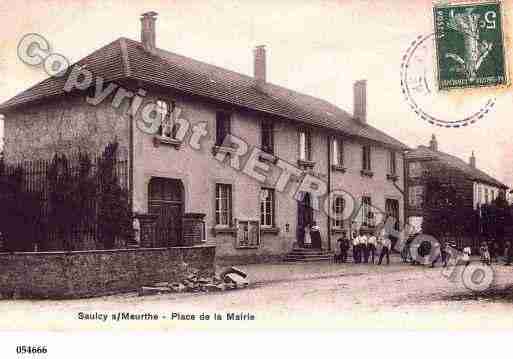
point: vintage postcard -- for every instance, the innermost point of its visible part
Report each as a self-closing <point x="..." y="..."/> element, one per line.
<point x="255" y="165"/>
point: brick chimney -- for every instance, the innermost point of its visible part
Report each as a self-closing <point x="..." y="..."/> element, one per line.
<point x="472" y="160"/>
<point x="148" y="20"/>
<point x="360" y="101"/>
<point x="433" y="144"/>
<point x="259" y="65"/>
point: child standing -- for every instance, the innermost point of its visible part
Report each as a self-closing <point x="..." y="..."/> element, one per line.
<point x="485" y="253"/>
<point x="466" y="255"/>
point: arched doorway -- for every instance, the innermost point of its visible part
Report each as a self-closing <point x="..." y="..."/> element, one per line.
<point x="166" y="201"/>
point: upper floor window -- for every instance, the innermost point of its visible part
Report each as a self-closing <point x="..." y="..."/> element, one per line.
<point x="392" y="163"/>
<point x="416" y="196"/>
<point x="267" y="207"/>
<point x="415" y="169"/>
<point x="267" y="128"/>
<point x="338" y="212"/>
<point x="305" y="145"/>
<point x="337" y="147"/>
<point x="167" y="126"/>
<point x="223" y="127"/>
<point x="223" y="204"/>
<point x="366" y="158"/>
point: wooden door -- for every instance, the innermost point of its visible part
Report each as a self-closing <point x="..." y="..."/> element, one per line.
<point x="166" y="201"/>
<point x="304" y="217"/>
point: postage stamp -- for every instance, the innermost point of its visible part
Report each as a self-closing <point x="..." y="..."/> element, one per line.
<point x="469" y="45"/>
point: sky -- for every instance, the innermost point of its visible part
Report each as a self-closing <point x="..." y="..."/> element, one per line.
<point x="315" y="47"/>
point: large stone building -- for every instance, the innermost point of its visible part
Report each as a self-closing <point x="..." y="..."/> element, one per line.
<point x="437" y="180"/>
<point x="239" y="149"/>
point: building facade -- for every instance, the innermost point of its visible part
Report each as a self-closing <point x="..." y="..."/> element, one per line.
<point x="256" y="159"/>
<point x="439" y="181"/>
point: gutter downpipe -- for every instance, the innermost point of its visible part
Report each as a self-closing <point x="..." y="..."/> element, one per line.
<point x="329" y="192"/>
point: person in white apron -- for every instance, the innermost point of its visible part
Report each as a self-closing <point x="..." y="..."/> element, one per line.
<point x="308" y="238"/>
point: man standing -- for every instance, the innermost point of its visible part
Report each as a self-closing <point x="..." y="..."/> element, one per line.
<point x="465" y="257"/>
<point x="491" y="249"/>
<point x="386" y="245"/>
<point x="356" y="247"/>
<point x="509" y="253"/>
<point x="363" y="246"/>
<point x="344" y="247"/>
<point x="371" y="246"/>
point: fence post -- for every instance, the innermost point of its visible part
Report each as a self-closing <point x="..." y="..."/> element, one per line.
<point x="193" y="229"/>
<point x="147" y="223"/>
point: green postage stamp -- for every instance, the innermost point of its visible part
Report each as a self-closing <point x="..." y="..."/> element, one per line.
<point x="469" y="45"/>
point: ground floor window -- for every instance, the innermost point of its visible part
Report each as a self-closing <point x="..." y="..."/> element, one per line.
<point x="392" y="210"/>
<point x="367" y="215"/>
<point x="416" y="196"/>
<point x="223" y="204"/>
<point x="267" y="207"/>
<point x="248" y="234"/>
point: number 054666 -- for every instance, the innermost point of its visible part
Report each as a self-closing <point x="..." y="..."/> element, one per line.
<point x="31" y="349"/>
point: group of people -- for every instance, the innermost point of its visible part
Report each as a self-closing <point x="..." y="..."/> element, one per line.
<point x="490" y="252"/>
<point x="365" y="247"/>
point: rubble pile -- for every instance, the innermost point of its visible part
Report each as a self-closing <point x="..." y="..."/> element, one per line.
<point x="228" y="279"/>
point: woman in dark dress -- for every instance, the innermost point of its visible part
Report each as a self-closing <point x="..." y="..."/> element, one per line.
<point x="315" y="234"/>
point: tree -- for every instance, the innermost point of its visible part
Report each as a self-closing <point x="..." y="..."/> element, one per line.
<point x="20" y="213"/>
<point x="445" y="213"/>
<point x="114" y="220"/>
<point x="496" y="220"/>
<point x="62" y="217"/>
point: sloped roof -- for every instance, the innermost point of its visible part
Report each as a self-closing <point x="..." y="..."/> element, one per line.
<point x="426" y="153"/>
<point x="127" y="59"/>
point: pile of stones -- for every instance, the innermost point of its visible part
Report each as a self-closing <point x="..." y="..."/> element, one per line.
<point x="229" y="279"/>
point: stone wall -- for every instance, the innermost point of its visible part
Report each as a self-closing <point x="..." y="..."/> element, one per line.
<point x="64" y="126"/>
<point x="95" y="273"/>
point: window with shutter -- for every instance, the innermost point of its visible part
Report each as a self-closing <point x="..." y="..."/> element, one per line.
<point x="267" y="129"/>
<point x="366" y="158"/>
<point x="223" y="128"/>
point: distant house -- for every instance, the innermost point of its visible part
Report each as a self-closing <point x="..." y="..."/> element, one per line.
<point x="439" y="181"/>
<point x="244" y="216"/>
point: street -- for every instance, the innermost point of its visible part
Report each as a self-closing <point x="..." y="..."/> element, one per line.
<point x="313" y="295"/>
